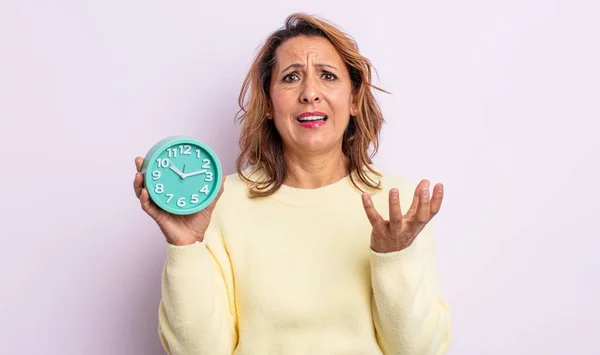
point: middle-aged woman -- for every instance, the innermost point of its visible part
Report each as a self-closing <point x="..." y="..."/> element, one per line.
<point x="309" y="249"/>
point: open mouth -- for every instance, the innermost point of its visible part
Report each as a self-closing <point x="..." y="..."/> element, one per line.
<point x="312" y="119"/>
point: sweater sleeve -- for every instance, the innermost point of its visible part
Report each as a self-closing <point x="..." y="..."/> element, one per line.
<point x="197" y="312"/>
<point x="409" y="313"/>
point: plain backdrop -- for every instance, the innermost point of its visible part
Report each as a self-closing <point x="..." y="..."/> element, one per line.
<point x="499" y="100"/>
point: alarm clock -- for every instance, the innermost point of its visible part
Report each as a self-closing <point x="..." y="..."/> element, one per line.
<point x="182" y="175"/>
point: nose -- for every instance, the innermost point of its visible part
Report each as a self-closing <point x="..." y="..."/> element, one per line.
<point x="310" y="92"/>
<point x="310" y="98"/>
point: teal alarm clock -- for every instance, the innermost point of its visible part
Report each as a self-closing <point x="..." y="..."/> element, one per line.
<point x="182" y="175"/>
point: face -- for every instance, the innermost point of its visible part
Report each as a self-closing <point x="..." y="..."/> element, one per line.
<point x="311" y="95"/>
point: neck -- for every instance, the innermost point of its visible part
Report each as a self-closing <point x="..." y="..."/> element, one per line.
<point x="311" y="171"/>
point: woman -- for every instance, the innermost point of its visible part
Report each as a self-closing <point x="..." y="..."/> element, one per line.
<point x="290" y="259"/>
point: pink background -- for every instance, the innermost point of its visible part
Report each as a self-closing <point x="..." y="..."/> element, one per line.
<point x="498" y="100"/>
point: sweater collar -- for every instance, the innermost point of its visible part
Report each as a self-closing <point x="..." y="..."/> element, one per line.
<point x="334" y="192"/>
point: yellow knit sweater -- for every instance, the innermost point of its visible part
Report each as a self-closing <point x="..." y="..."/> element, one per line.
<point x="293" y="273"/>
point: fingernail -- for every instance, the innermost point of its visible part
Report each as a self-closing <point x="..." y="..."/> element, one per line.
<point x="425" y="192"/>
<point x="441" y="188"/>
<point x="394" y="193"/>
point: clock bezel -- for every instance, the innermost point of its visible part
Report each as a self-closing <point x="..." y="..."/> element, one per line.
<point x="157" y="149"/>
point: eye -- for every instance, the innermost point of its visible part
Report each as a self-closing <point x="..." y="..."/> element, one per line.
<point x="291" y="77"/>
<point x="329" y="76"/>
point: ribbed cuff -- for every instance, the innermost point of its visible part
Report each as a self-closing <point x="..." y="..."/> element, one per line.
<point x="407" y="258"/>
<point x="185" y="254"/>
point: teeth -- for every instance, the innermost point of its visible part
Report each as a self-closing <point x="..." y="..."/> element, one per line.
<point x="311" y="118"/>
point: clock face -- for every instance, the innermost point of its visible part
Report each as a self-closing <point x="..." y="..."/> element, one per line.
<point x="182" y="175"/>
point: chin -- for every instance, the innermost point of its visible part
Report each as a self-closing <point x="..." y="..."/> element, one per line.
<point x="315" y="145"/>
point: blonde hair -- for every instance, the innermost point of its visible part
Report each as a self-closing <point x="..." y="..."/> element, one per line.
<point x="260" y="143"/>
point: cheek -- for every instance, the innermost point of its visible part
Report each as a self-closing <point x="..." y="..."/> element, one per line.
<point x="339" y="96"/>
<point x="280" y="100"/>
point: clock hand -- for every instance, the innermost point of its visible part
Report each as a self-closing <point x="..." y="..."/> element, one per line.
<point x="194" y="173"/>
<point x="177" y="171"/>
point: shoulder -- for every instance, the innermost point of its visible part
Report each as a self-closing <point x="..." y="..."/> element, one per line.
<point x="235" y="189"/>
<point x="234" y="183"/>
<point x="235" y="193"/>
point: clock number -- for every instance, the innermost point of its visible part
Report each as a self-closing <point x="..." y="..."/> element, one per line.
<point x="194" y="198"/>
<point x="172" y="152"/>
<point x="159" y="188"/>
<point x="155" y="175"/>
<point x="204" y="189"/>
<point x="208" y="176"/>
<point x="185" y="150"/>
<point x="163" y="163"/>
<point x="198" y="153"/>
<point x="170" y="196"/>
<point x="206" y="164"/>
<point x="181" y="202"/>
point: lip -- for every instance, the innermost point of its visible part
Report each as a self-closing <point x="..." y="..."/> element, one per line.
<point x="313" y="124"/>
<point x="313" y="113"/>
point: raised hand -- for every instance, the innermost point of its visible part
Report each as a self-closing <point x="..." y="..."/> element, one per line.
<point x="401" y="230"/>
<point x="177" y="229"/>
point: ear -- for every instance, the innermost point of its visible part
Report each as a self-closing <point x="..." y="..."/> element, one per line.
<point x="269" y="114"/>
<point x="353" y="103"/>
<point x="353" y="107"/>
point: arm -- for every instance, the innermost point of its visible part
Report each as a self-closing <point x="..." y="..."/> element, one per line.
<point x="409" y="312"/>
<point x="197" y="312"/>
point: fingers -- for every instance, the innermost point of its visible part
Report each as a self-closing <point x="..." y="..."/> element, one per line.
<point x="377" y="222"/>
<point x="138" y="163"/>
<point x="423" y="209"/>
<point x="138" y="180"/>
<point x="395" y="212"/>
<point x="436" y="200"/>
<point x="150" y="208"/>
<point x="416" y="198"/>
<point x="138" y="186"/>
<point x="138" y="183"/>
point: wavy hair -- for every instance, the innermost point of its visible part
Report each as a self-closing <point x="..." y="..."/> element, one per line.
<point x="260" y="143"/>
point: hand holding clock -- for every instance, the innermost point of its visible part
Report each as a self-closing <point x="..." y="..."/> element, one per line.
<point x="178" y="229"/>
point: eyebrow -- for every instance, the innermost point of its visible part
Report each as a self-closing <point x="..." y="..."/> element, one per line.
<point x="298" y="66"/>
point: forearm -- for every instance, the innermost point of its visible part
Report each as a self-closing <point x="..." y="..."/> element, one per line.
<point x="409" y="312"/>
<point x="194" y="316"/>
